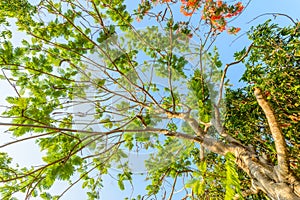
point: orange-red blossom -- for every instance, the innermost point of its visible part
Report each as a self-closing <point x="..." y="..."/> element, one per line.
<point x="217" y="12"/>
<point x="214" y="12"/>
<point x="188" y="7"/>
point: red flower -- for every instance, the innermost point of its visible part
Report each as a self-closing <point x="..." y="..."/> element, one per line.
<point x="228" y="15"/>
<point x="213" y="18"/>
<point x="239" y="7"/>
<point x="221" y="28"/>
<point x="233" y="30"/>
<point x="184" y="12"/>
<point x="219" y="3"/>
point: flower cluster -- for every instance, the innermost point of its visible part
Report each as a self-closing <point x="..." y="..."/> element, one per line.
<point x="216" y="13"/>
<point x="233" y="30"/>
<point x="188" y="7"/>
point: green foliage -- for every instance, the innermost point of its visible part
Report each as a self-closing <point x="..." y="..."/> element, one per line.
<point x="199" y="96"/>
<point x="90" y="87"/>
<point x="126" y="176"/>
<point x="273" y="65"/>
<point x="232" y="183"/>
<point x="197" y="184"/>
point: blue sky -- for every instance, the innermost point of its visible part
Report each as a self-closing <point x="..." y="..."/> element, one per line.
<point x="26" y="151"/>
<point x="227" y="45"/>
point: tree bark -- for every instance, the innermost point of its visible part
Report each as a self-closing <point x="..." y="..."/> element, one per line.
<point x="280" y="144"/>
<point x="264" y="176"/>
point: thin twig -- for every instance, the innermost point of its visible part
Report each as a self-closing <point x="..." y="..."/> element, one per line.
<point x="275" y="15"/>
<point x="225" y="71"/>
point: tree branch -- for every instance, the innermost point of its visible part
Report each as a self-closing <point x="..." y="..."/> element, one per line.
<point x="225" y="72"/>
<point x="280" y="144"/>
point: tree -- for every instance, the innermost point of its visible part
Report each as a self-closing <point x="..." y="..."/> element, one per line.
<point x="89" y="85"/>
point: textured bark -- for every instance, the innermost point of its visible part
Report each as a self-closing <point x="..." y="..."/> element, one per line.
<point x="264" y="176"/>
<point x="282" y="170"/>
<point x="280" y="144"/>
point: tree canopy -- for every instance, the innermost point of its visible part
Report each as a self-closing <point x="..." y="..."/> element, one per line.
<point x="96" y="82"/>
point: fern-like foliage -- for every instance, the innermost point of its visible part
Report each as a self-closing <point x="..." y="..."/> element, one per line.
<point x="232" y="182"/>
